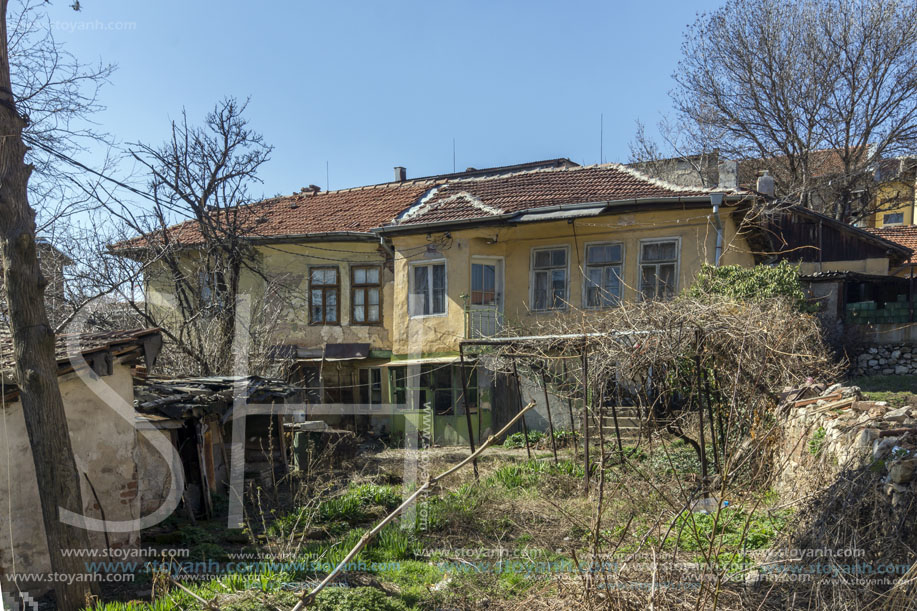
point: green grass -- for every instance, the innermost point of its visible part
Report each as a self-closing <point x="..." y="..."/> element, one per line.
<point x="517" y="440"/>
<point x="696" y="530"/>
<point x="528" y="474"/>
<point x="896" y="390"/>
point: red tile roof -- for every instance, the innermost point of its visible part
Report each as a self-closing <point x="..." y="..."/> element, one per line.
<point x="905" y="235"/>
<point x="493" y="196"/>
<point x="440" y="198"/>
<point x="345" y="211"/>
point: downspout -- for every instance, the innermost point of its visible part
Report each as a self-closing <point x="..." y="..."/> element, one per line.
<point x="716" y="200"/>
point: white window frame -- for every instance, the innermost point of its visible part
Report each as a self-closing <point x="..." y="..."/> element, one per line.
<point x="429" y="263"/>
<point x="532" y="270"/>
<point x="677" y="240"/>
<point x="586" y="267"/>
<point x="501" y="276"/>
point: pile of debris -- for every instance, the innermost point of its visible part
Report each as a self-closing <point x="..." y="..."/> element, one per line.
<point x="833" y="425"/>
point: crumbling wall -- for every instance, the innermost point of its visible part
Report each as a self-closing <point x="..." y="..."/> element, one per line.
<point x="154" y="474"/>
<point x="821" y="440"/>
<point x="104" y="446"/>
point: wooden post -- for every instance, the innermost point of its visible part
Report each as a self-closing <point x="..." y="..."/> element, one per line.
<point x="585" y="360"/>
<point x="547" y="404"/>
<point x="713" y="435"/>
<point x="525" y="428"/>
<point x="700" y="415"/>
<point x="614" y="416"/>
<point x="572" y="419"/>
<point x="474" y="462"/>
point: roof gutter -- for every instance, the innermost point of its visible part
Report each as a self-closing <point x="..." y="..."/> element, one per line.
<point x="698" y="200"/>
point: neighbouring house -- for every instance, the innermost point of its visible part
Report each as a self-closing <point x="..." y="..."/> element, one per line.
<point x="95" y="377"/>
<point x="888" y="183"/>
<point x="52" y="261"/>
<point x="389" y="279"/>
<point x="896" y="198"/>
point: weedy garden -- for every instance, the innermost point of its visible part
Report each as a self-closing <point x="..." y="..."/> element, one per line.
<point x="710" y="503"/>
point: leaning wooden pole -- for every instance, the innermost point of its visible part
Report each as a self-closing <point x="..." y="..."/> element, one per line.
<point x="547" y="406"/>
<point x="307" y="599"/>
<point x="525" y="428"/>
<point x="465" y="401"/>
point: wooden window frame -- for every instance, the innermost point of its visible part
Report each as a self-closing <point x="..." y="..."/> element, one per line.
<point x="325" y="288"/>
<point x="641" y="263"/>
<point x="354" y="287"/>
<point x="533" y="273"/>
<point x="587" y="266"/>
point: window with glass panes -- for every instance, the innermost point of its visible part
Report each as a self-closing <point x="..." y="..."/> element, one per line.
<point x="603" y="274"/>
<point x="658" y="269"/>
<point x="549" y="278"/>
<point x="371" y="386"/>
<point x="366" y="295"/>
<point x="428" y="289"/>
<point x="324" y="290"/>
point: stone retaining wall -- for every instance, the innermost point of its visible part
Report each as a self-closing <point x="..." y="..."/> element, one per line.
<point x="885" y="359"/>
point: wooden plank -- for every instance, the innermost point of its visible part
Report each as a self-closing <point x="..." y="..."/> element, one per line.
<point x="803" y="402"/>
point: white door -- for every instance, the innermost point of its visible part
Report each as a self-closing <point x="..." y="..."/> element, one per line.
<point x="485" y="309"/>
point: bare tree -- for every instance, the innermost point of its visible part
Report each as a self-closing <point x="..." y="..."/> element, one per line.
<point x="687" y="156"/>
<point x="33" y="344"/>
<point x="58" y="94"/>
<point x="202" y="173"/>
<point x="815" y="90"/>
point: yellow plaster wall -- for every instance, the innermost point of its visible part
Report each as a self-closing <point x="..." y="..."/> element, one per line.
<point x="890" y="192"/>
<point x="441" y="334"/>
<point x="289" y="264"/>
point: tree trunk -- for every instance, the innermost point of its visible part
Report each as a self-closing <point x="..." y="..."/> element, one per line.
<point x="33" y="345"/>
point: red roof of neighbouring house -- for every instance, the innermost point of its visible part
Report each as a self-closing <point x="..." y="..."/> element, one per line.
<point x="463" y="199"/>
<point x="905" y="235"/>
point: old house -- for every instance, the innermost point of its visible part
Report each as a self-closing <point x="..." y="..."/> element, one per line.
<point x="388" y="279"/>
<point x="94" y="373"/>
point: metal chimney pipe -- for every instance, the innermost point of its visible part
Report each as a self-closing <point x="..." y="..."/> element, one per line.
<point x="401" y="173"/>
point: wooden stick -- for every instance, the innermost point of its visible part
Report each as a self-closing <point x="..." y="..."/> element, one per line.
<point x="307" y="599"/>
<point x="466" y="406"/>
<point x="547" y="405"/>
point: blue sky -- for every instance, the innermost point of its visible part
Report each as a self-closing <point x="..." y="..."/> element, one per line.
<point x="366" y="86"/>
